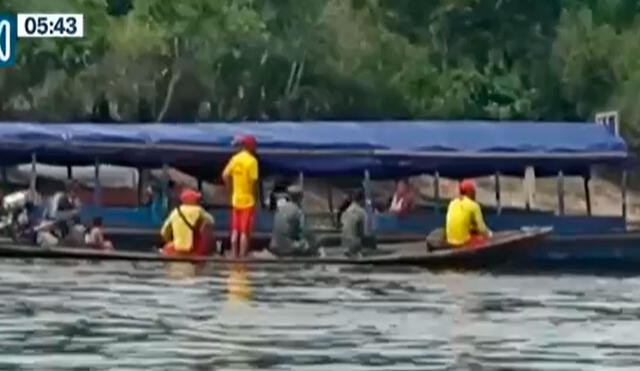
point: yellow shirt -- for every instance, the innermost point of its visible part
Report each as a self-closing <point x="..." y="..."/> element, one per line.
<point x="182" y="234"/>
<point x="243" y="170"/>
<point x="464" y="217"/>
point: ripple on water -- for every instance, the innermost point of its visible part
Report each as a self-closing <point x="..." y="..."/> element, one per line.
<point x="152" y="316"/>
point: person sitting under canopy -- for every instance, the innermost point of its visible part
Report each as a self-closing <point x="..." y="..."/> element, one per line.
<point x="465" y="226"/>
<point x="353" y="227"/>
<point x="403" y="199"/>
<point x="188" y="227"/>
<point x="289" y="237"/>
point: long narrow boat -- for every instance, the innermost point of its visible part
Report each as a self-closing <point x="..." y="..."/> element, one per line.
<point x="367" y="151"/>
<point x="498" y="251"/>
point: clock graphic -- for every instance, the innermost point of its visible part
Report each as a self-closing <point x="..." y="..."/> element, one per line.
<point x="50" y="25"/>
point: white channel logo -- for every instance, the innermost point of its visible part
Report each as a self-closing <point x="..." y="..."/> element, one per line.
<point x="5" y="42"/>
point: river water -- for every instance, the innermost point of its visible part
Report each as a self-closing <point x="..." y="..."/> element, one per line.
<point x="125" y="316"/>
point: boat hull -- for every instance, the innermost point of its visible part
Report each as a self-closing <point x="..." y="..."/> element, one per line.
<point x="499" y="250"/>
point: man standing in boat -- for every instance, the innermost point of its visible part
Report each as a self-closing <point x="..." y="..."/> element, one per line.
<point x="465" y="225"/>
<point x="353" y="227"/>
<point x="240" y="177"/>
<point x="187" y="227"/>
<point x="289" y="236"/>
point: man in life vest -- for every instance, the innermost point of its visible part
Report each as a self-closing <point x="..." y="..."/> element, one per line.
<point x="465" y="225"/>
<point x="240" y="177"/>
<point x="188" y="228"/>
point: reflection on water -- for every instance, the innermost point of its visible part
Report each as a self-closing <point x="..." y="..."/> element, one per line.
<point x="238" y="285"/>
<point x="108" y="316"/>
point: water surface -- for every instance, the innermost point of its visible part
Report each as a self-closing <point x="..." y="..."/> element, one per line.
<point x="151" y="316"/>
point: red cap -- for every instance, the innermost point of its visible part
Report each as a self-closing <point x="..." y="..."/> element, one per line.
<point x="246" y="141"/>
<point x="189" y="196"/>
<point x="467" y="186"/>
<point x="249" y="142"/>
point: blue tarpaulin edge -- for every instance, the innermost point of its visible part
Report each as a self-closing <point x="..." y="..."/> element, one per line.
<point x="385" y="148"/>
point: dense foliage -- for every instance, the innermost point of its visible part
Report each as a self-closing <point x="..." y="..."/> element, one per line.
<point x="190" y="60"/>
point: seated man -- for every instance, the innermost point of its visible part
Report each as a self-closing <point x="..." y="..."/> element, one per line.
<point x="65" y="204"/>
<point x="465" y="225"/>
<point x="402" y="201"/>
<point x="289" y="237"/>
<point x="188" y="227"/>
<point x="353" y="231"/>
<point x="77" y="233"/>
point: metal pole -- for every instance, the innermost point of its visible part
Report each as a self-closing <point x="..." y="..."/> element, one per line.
<point x="97" y="190"/>
<point x="69" y="172"/>
<point x="301" y="182"/>
<point x="436" y="190"/>
<point x="498" y="198"/>
<point x="331" y="208"/>
<point x="587" y="194"/>
<point x="368" y="203"/>
<point x="141" y="183"/>
<point x="199" y="185"/>
<point x="34" y="175"/>
<point x="165" y="189"/>
<point x="624" y="195"/>
<point x="561" y="192"/>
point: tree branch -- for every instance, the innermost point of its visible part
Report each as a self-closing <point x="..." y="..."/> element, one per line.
<point x="175" y="76"/>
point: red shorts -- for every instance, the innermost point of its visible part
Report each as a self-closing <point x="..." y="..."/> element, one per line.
<point x="476" y="240"/>
<point x="242" y="220"/>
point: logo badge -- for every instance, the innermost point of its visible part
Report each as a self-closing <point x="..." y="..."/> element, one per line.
<point x="8" y="38"/>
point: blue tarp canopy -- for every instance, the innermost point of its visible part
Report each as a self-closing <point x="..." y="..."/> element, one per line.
<point x="386" y="149"/>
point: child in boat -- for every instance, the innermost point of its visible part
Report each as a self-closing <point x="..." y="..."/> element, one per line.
<point x="187" y="227"/>
<point x="465" y="226"/>
<point x="95" y="238"/>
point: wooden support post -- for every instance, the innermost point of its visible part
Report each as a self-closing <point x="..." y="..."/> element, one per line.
<point x="498" y="198"/>
<point x="624" y="194"/>
<point x="97" y="190"/>
<point x="530" y="186"/>
<point x="560" y="193"/>
<point x="587" y="194"/>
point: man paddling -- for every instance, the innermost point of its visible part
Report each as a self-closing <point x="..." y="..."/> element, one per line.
<point x="289" y="237"/>
<point x="241" y="176"/>
<point x="465" y="226"/>
<point x="187" y="227"/>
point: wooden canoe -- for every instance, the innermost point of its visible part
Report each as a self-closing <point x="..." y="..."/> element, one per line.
<point x="498" y="250"/>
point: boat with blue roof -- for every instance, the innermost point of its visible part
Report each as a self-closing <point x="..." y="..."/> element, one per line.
<point x="350" y="154"/>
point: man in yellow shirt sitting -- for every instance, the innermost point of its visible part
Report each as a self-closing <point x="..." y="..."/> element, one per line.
<point x="241" y="176"/>
<point x="188" y="227"/>
<point x="465" y="224"/>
